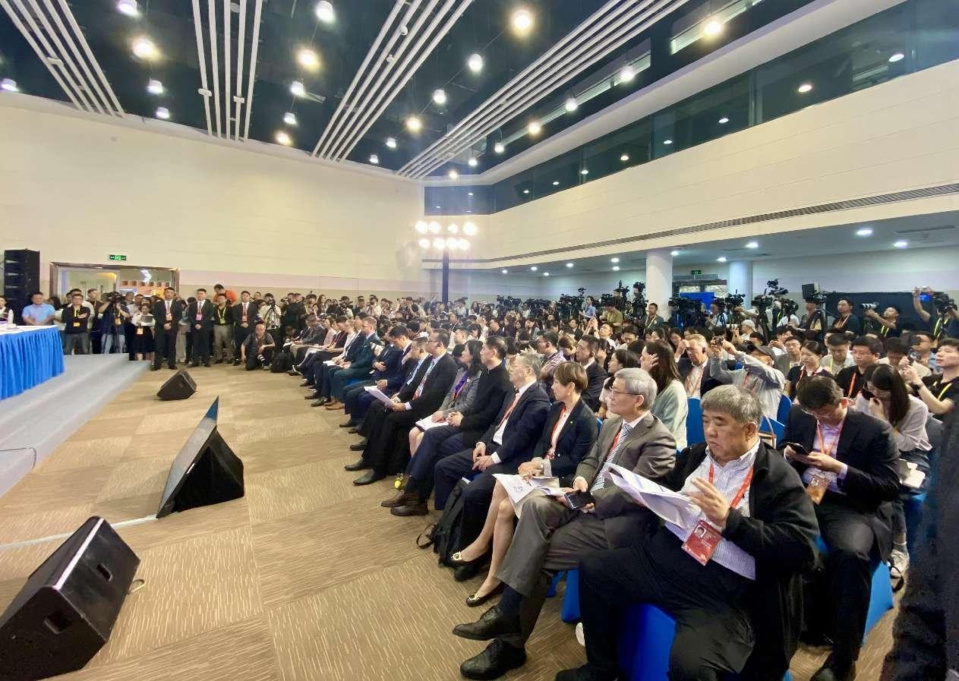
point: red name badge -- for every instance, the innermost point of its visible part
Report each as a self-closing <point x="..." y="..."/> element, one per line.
<point x="199" y="316"/>
<point x="816" y="489"/>
<point x="702" y="542"/>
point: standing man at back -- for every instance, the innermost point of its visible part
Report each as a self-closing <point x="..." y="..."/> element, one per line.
<point x="245" y="316"/>
<point x="200" y="314"/>
<point x="167" y="313"/>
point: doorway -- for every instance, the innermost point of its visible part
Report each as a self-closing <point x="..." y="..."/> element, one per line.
<point x="108" y="278"/>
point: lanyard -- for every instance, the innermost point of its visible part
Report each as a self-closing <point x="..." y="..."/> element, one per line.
<point x="556" y="428"/>
<point x="835" y="443"/>
<point x="508" y="411"/>
<point x="945" y="388"/>
<point x="852" y="383"/>
<point x="742" y="490"/>
<point x="459" y="386"/>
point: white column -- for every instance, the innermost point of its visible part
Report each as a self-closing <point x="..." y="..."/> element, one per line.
<point x="740" y="279"/>
<point x="659" y="279"/>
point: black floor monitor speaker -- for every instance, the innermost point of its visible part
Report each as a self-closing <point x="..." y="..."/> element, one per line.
<point x="205" y="472"/>
<point x="21" y="276"/>
<point x="66" y="611"/>
<point x="178" y="387"/>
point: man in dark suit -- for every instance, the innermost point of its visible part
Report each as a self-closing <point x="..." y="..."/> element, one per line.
<point x="167" y="314"/>
<point x="739" y="611"/>
<point x="245" y="315"/>
<point x="323" y="373"/>
<point x="507" y="443"/>
<point x="360" y="367"/>
<point x="387" y="441"/>
<point x="200" y="314"/>
<point x="551" y="537"/>
<point x="464" y="431"/>
<point x="595" y="374"/>
<point x="850" y="469"/>
<point x="372" y="411"/>
<point x="387" y="374"/>
<point x="307" y="368"/>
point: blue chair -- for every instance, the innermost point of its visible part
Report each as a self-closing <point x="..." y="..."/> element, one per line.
<point x="785" y="404"/>
<point x="774" y="427"/>
<point x="694" y="423"/>
<point x="570" y="611"/>
<point x="880" y="597"/>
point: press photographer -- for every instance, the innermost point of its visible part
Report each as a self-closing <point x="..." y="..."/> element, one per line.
<point x="813" y="323"/>
<point x="847" y="322"/>
<point x="887" y="326"/>
<point x="946" y="324"/>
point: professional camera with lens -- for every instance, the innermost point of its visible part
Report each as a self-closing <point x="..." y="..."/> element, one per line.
<point x="868" y="306"/>
<point x="944" y="304"/>
<point x="819" y="297"/>
<point x="508" y="302"/>
<point x="734" y="300"/>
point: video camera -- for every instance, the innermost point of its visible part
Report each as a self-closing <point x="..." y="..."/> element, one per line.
<point x="734" y="300"/>
<point x="569" y="306"/>
<point x="944" y="304"/>
<point x="508" y="302"/>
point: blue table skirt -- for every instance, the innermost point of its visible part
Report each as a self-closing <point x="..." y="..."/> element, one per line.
<point x="29" y="358"/>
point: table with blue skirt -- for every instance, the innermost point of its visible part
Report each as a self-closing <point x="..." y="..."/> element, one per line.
<point x="28" y="357"/>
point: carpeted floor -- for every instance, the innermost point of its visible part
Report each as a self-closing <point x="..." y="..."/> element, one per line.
<point x="305" y="579"/>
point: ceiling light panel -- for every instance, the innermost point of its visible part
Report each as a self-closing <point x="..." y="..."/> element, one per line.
<point x="604" y="32"/>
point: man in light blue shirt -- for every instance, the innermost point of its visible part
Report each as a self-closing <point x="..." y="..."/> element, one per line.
<point x="40" y="313"/>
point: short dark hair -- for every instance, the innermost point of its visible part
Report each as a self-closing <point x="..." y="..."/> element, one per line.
<point x="655" y="305"/>
<point x="217" y="287"/>
<point x="813" y="347"/>
<point x="592" y="342"/>
<point x="246" y="292"/>
<point x="497" y="345"/>
<point x="261" y="323"/>
<point x="550" y="337"/>
<point x="793" y="337"/>
<point x="201" y="289"/>
<point x="571" y="372"/>
<point x="817" y="392"/>
<point x="442" y="338"/>
<point x="342" y="319"/>
<point x="949" y="343"/>
<point x="631" y="328"/>
<point x="399" y="331"/>
<point x="897" y="346"/>
<point x="873" y="344"/>
<point x="837" y="339"/>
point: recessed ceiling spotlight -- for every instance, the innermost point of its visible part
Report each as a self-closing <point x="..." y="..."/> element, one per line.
<point x="555" y="183"/>
<point x="721" y="258"/>
<point x="128" y="7"/>
<point x="584" y="171"/>
<point x="626" y="74"/>
<point x="545" y="274"/>
<point x="472" y="162"/>
<point x="569" y="264"/>
<point x="499" y="148"/>
<point x="9" y="85"/>
<point x="752" y="245"/>
<point x="453" y="174"/>
<point x="439" y="96"/>
<point x="155" y="87"/>
<point x="424" y="243"/>
<point x="571" y="105"/>
<point x="521" y="21"/>
<point x="864" y="231"/>
<point x="804" y="88"/>
<point x="434" y="227"/>
<point x="469" y="193"/>
<point x="526" y="191"/>
<point x="469" y="229"/>
<point x="308" y="59"/>
<point x="391" y="142"/>
<point x="674" y="253"/>
<point x="422" y="227"/>
<point x="534" y="128"/>
<point x="453" y="228"/>
<point x="533" y="268"/>
<point x="902" y="243"/>
<point x="614" y="260"/>
<point x="283" y="138"/>
<point x="464" y="244"/>
<point x="475" y="63"/>
<point x="163" y="112"/>
<point x="374" y="159"/>
<point x="898" y="56"/>
<point x="453" y="244"/>
<point x="713" y="27"/>
<point x="289" y="118"/>
<point x="404" y="29"/>
<point x="505" y="271"/>
<point x="624" y="158"/>
<point x="297" y="88"/>
<point x="414" y="124"/>
<point x="724" y="120"/>
<point x="325" y="12"/>
<point x="144" y="48"/>
<point x="667" y="142"/>
<point x="439" y="244"/>
<point x="615" y="268"/>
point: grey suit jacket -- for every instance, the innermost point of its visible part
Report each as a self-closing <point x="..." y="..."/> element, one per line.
<point x="650" y="451"/>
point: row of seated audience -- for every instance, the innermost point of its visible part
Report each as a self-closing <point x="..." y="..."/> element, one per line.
<point x="472" y="404"/>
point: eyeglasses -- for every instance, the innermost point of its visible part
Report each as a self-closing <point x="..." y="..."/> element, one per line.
<point x="613" y="391"/>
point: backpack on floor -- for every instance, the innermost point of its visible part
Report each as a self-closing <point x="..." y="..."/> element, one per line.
<point x="444" y="536"/>
<point x="281" y="363"/>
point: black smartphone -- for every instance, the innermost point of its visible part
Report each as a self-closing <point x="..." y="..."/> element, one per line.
<point x="796" y="447"/>
<point x="867" y="394"/>
<point x="577" y="500"/>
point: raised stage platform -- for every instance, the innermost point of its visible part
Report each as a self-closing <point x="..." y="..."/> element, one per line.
<point x="35" y="422"/>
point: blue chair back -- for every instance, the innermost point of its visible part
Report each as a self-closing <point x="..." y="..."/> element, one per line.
<point x="772" y="426"/>
<point x="694" y="423"/>
<point x="785" y="404"/>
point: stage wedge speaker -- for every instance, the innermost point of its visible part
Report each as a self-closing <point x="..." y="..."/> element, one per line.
<point x="205" y="472"/>
<point x="66" y="611"/>
<point x="178" y="387"/>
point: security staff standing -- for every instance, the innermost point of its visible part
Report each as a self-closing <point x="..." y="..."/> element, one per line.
<point x="167" y="313"/>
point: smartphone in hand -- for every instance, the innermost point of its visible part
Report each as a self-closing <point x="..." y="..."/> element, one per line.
<point x="577" y="500"/>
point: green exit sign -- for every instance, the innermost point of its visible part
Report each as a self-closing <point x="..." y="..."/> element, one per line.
<point x="114" y="256"/>
<point x="693" y="272"/>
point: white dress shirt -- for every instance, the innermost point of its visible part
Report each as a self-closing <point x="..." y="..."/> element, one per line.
<point x="498" y="435"/>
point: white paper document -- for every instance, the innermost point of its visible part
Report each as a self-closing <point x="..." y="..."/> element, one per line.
<point x="427" y="422"/>
<point x="671" y="506"/>
<point x="378" y="394"/>
<point x="518" y="488"/>
<point x="310" y="351"/>
<point x="914" y="477"/>
<point x="330" y="362"/>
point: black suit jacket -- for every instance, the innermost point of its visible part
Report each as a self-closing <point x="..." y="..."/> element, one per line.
<point x="872" y="481"/>
<point x="595" y="377"/>
<point x="252" y="315"/>
<point x="159" y="313"/>
<point x="434" y="389"/>
<point x="574" y="441"/>
<point x="493" y="388"/>
<point x="706" y="382"/>
<point x="523" y="428"/>
<point x="206" y="309"/>
<point x="82" y="318"/>
<point x="780" y="533"/>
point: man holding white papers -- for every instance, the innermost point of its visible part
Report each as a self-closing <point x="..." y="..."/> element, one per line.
<point x="730" y="576"/>
<point x="551" y="536"/>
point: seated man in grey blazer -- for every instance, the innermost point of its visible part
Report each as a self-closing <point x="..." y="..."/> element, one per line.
<point x="551" y="537"/>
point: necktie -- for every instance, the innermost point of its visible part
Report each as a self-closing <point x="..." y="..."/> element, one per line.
<point x="508" y="412"/>
<point x="618" y="443"/>
<point x="419" y="388"/>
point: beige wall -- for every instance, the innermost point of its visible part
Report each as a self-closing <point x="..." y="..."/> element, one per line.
<point x="901" y="135"/>
<point x="78" y="190"/>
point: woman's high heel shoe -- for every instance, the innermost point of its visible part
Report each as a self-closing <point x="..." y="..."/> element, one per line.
<point x="456" y="560"/>
<point x="474" y="602"/>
